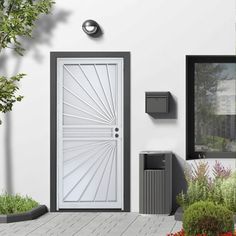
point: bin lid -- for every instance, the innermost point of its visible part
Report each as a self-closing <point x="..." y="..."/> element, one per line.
<point x="156" y="152"/>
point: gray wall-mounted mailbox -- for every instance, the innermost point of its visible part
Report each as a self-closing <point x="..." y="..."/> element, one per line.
<point x="157" y="102"/>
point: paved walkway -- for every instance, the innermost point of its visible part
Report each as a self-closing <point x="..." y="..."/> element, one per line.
<point x="99" y="224"/>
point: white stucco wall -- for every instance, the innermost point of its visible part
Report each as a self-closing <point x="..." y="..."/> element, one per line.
<point x="158" y="33"/>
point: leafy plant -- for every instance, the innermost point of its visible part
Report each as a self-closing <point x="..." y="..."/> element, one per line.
<point x="196" y="191"/>
<point x="220" y="171"/>
<point x="207" y="218"/>
<point x="17" y="19"/>
<point x="198" y="184"/>
<point x="228" y="189"/>
<point x="181" y="233"/>
<point x="200" y="172"/>
<point x="8" y="88"/>
<point x="10" y="204"/>
<point x="215" y="194"/>
<point x="220" y="174"/>
<point x="201" y="187"/>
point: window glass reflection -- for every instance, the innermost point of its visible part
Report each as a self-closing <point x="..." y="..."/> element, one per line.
<point x="215" y="107"/>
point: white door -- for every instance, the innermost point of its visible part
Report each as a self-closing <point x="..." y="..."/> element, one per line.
<point x="90" y="133"/>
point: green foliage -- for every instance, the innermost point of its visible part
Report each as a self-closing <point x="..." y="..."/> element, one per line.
<point x="200" y="172"/>
<point x="10" y="204"/>
<point x="215" y="194"/>
<point x="196" y="191"/>
<point x="17" y="18"/>
<point x="220" y="172"/>
<point x="182" y="200"/>
<point x="203" y="188"/>
<point x="228" y="190"/>
<point x="216" y="143"/>
<point x="198" y="185"/>
<point x="8" y="88"/>
<point x="207" y="218"/>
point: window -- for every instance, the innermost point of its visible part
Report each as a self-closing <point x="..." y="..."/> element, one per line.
<point x="211" y="106"/>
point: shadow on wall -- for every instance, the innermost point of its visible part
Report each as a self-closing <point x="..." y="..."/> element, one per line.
<point x="3" y="67"/>
<point x="8" y="153"/>
<point x="178" y="182"/>
<point x="42" y="35"/>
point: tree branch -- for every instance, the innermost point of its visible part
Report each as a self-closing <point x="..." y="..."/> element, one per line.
<point x="10" y="8"/>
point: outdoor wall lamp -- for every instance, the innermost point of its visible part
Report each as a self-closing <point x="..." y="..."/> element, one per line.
<point x="91" y="27"/>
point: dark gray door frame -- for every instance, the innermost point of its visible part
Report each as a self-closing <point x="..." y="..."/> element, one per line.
<point x="53" y="124"/>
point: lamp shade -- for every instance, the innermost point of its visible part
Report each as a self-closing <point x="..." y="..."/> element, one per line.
<point x="90" y="27"/>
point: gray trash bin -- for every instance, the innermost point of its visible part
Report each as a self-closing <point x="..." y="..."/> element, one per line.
<point x="155" y="182"/>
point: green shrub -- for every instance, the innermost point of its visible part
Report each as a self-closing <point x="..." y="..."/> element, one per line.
<point x="228" y="189"/>
<point x="207" y="218"/>
<point x="215" y="193"/>
<point x="201" y="187"/>
<point x="198" y="182"/>
<point x="10" y="204"/>
<point x="197" y="191"/>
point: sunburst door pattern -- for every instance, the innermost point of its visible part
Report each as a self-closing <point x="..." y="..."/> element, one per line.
<point x="90" y="96"/>
<point x="91" y="165"/>
<point x="89" y="171"/>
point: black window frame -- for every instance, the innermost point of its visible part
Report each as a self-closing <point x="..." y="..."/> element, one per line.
<point x="190" y="61"/>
